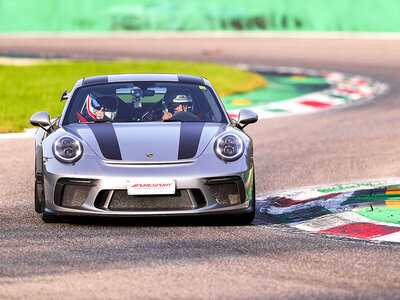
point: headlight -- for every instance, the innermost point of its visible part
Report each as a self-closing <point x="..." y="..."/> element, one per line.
<point x="229" y="147"/>
<point x="67" y="149"/>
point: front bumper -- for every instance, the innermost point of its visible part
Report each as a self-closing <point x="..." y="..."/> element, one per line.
<point x="217" y="189"/>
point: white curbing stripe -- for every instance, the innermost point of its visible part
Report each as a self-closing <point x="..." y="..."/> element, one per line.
<point x="394" y="238"/>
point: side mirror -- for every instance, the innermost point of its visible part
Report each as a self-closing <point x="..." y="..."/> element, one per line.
<point x="42" y="119"/>
<point x="246" y="117"/>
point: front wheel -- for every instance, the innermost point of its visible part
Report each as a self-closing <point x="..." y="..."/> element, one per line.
<point x="38" y="193"/>
<point x="46" y="217"/>
<point x="247" y="218"/>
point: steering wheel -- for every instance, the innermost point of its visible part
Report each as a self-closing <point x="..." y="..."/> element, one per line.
<point x="184" y="116"/>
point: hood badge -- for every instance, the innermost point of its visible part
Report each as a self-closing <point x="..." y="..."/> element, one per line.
<point x="149" y="154"/>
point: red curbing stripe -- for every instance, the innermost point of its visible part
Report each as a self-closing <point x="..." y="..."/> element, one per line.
<point x="362" y="230"/>
<point x="234" y="116"/>
<point x="316" y="104"/>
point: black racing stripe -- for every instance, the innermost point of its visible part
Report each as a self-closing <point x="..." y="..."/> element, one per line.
<point x="190" y="79"/>
<point x="189" y="139"/>
<point x="107" y="140"/>
<point x="95" y="79"/>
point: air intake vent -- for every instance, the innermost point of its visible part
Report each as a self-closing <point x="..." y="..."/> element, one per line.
<point x="122" y="201"/>
<point x="74" y="195"/>
<point x="227" y="190"/>
<point x="225" y="193"/>
<point x="72" y="192"/>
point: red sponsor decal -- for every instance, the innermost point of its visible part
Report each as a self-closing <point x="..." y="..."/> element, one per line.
<point x="316" y="104"/>
<point x="286" y="202"/>
<point x="362" y="230"/>
<point x="150" y="185"/>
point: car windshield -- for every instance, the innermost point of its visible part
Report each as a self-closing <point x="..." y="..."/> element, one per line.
<point x="144" y="102"/>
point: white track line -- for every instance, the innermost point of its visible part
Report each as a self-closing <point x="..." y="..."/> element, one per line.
<point x="209" y="35"/>
<point x="28" y="133"/>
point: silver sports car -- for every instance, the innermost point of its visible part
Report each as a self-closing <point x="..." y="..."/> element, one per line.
<point x="138" y="145"/>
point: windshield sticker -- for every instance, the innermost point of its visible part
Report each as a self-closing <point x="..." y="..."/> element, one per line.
<point x="202" y="87"/>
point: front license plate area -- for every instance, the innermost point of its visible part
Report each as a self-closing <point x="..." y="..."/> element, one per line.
<point x="151" y="187"/>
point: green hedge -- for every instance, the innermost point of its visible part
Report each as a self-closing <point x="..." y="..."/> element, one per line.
<point x="117" y="15"/>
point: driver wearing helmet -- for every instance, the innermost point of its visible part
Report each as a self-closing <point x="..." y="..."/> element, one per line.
<point x="180" y="103"/>
<point x="103" y="108"/>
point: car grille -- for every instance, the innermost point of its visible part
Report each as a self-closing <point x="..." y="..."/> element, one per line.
<point x="120" y="200"/>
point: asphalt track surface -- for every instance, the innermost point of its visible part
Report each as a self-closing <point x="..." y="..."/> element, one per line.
<point x="190" y="258"/>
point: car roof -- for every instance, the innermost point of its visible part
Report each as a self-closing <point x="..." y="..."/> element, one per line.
<point x="144" y="77"/>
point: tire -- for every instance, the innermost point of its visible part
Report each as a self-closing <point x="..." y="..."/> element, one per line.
<point x="47" y="218"/>
<point x="247" y="218"/>
<point x="38" y="192"/>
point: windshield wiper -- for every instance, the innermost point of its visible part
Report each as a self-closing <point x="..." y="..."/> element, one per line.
<point x="169" y="120"/>
<point x="92" y="122"/>
<point x="103" y="121"/>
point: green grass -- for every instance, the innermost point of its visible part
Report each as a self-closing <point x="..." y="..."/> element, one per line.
<point x="25" y="90"/>
<point x="381" y="214"/>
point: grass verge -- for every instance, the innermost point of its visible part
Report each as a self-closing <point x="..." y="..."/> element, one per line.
<point x="25" y="90"/>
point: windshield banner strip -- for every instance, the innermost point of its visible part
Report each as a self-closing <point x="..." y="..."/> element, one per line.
<point x="107" y="140"/>
<point x="190" y="79"/>
<point x="189" y="139"/>
<point x="95" y="80"/>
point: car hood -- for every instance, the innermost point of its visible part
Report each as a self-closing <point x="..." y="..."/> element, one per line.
<point x="147" y="142"/>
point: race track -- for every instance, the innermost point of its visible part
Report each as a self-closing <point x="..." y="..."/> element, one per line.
<point x="179" y="259"/>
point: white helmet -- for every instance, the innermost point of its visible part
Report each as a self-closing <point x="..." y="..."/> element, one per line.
<point x="108" y="103"/>
<point x="184" y="100"/>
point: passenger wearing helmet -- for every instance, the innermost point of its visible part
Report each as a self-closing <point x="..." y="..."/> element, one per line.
<point x="103" y="108"/>
<point x="180" y="103"/>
